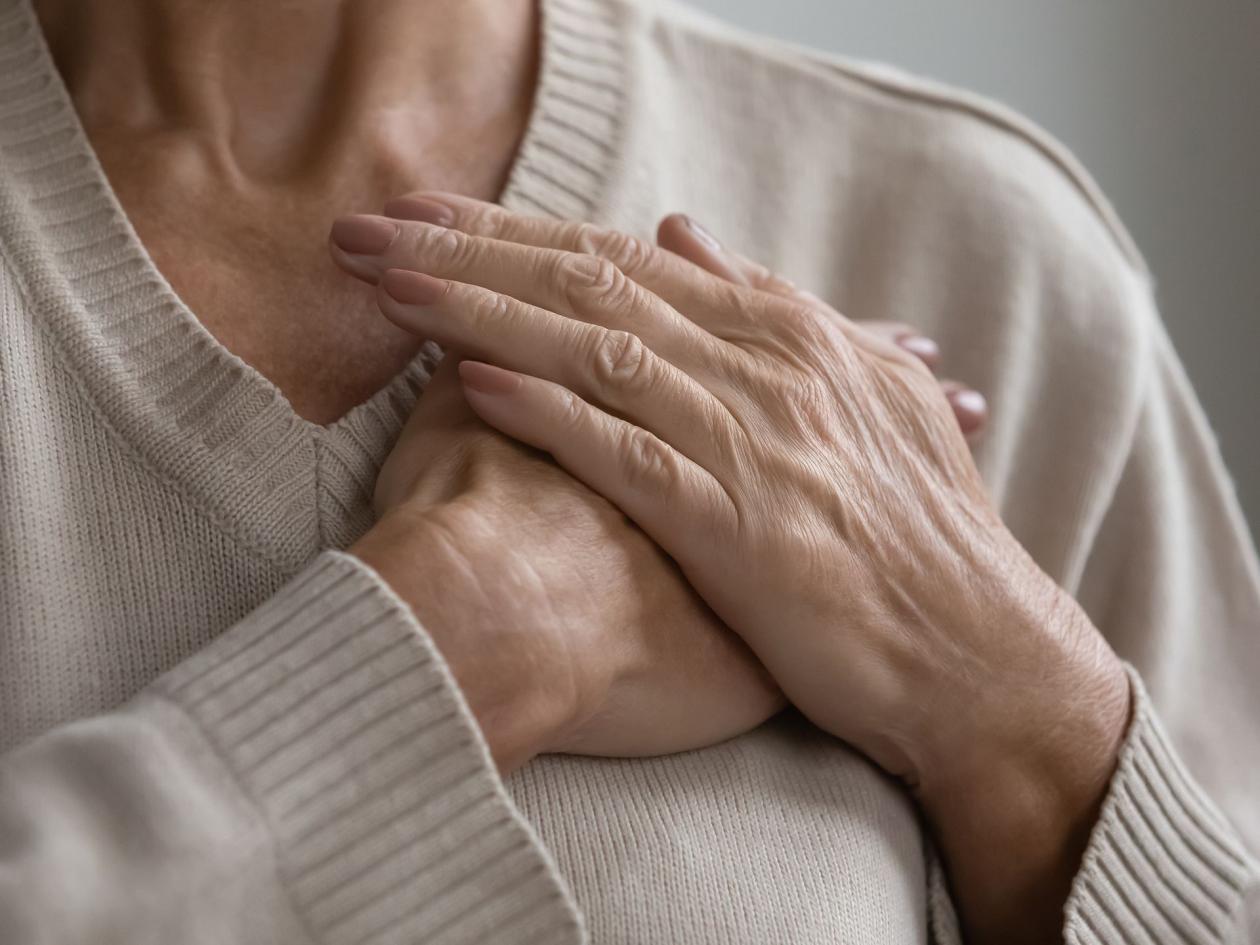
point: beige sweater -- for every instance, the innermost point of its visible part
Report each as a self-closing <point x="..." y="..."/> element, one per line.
<point x="216" y="729"/>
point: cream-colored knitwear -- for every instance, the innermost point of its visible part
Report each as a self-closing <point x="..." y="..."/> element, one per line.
<point x="219" y="730"/>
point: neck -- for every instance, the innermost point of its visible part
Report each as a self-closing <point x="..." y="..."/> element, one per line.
<point x="273" y="91"/>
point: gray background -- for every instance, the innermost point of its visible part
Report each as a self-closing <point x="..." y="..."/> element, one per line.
<point x="1161" y="101"/>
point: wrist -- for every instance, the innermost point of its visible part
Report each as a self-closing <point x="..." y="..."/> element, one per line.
<point x="434" y="565"/>
<point x="1012" y="786"/>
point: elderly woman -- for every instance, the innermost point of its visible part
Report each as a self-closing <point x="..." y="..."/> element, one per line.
<point x="541" y="693"/>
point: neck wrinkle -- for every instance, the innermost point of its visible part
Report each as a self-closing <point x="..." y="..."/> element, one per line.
<point x="279" y="93"/>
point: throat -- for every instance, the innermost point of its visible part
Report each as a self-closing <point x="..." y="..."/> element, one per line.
<point x="231" y="160"/>
<point x="312" y="332"/>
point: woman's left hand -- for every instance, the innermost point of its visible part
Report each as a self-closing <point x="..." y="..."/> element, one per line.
<point x="813" y="484"/>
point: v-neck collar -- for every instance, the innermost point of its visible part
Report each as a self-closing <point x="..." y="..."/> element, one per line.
<point x="201" y="418"/>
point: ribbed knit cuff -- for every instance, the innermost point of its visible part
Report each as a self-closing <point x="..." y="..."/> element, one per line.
<point x="389" y="821"/>
<point x="1162" y="865"/>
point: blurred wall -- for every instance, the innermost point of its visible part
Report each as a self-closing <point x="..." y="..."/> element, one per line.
<point x="1161" y="101"/>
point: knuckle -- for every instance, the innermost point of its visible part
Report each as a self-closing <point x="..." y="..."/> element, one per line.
<point x="649" y="462"/>
<point x="570" y="410"/>
<point x="591" y="279"/>
<point x="627" y="253"/>
<point x="804" y="328"/>
<point x="768" y="280"/>
<point x="621" y="359"/>
<point x="492" y="307"/>
<point x="813" y="403"/>
<point x="439" y="244"/>
<point x="491" y="218"/>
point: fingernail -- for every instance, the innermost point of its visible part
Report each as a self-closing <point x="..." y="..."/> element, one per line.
<point x="703" y="235"/>
<point x="488" y="379"/>
<point x="969" y="400"/>
<point x="412" y="288"/>
<point x="420" y="209"/>
<point x="921" y="346"/>
<point x="363" y="234"/>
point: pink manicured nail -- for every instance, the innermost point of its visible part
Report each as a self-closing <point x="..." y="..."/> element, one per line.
<point x="921" y="346"/>
<point x="420" y="209"/>
<point x="703" y="235"/>
<point x="412" y="288"/>
<point x="363" y="235"/>
<point x="488" y="379"/>
<point x="971" y="401"/>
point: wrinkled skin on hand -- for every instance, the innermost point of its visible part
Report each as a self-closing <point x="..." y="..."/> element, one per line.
<point x="547" y="582"/>
<point x="814" y="486"/>
<point x="808" y="476"/>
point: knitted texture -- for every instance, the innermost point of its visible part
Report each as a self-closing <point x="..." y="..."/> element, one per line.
<point x="344" y="727"/>
<point x="218" y="729"/>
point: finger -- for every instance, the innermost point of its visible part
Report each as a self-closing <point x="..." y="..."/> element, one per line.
<point x="970" y="407"/>
<point x="725" y="309"/>
<point x="707" y="299"/>
<point x="675" y="501"/>
<point x="682" y="235"/>
<point x="686" y="237"/>
<point x="610" y="367"/>
<point x="971" y="410"/>
<point x="909" y="338"/>
<point x="576" y="285"/>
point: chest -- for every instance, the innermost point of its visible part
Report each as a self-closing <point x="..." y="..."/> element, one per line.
<point x="269" y="293"/>
<point x="780" y="835"/>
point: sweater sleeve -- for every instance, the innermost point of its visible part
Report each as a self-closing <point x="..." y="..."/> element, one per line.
<point x="1173" y="583"/>
<point x="313" y="775"/>
<point x="1171" y="580"/>
<point x="1162" y="865"/>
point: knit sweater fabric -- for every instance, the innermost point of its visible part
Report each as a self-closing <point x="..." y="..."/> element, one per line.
<point x="217" y="727"/>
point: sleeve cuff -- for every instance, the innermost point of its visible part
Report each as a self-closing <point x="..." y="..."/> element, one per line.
<point x="337" y="715"/>
<point x="1163" y="865"/>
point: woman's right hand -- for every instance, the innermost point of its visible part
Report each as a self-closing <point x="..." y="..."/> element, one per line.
<point x="565" y="626"/>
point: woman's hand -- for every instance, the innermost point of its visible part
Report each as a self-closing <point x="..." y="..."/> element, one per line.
<point x="566" y="627"/>
<point x="812" y="482"/>
<point x="681" y="235"/>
